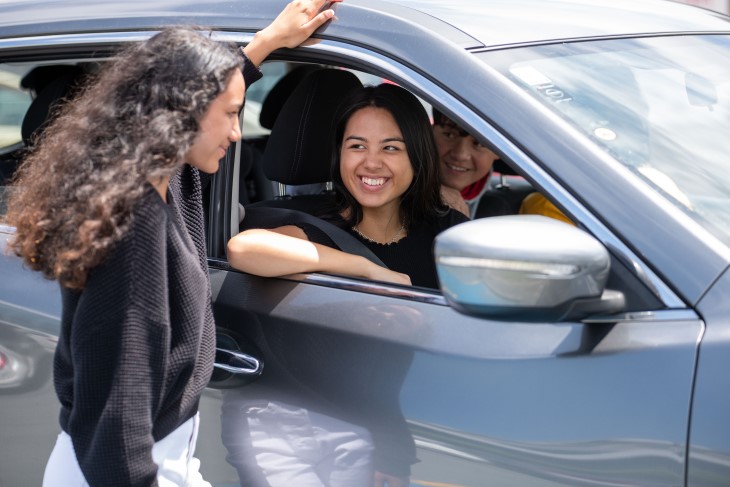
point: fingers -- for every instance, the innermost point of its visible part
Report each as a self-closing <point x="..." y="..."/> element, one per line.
<point x="293" y="26"/>
<point x="317" y="21"/>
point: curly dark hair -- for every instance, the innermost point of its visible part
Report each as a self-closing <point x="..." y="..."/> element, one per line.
<point x="76" y="191"/>
<point x="422" y="200"/>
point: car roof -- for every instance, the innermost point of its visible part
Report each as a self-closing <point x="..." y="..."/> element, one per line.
<point x="505" y="22"/>
<point x="467" y="23"/>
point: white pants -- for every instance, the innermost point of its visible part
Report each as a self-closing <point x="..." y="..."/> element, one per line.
<point x="176" y="466"/>
<point x="281" y="445"/>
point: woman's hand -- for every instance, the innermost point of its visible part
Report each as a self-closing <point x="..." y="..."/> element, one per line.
<point x="379" y="273"/>
<point x="294" y="25"/>
<point x="452" y="197"/>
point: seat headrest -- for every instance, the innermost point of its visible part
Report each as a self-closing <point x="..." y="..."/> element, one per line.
<point x="298" y="149"/>
<point x="51" y="84"/>
<point x="275" y="99"/>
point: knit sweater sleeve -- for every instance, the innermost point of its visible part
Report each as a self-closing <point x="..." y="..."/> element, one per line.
<point x="119" y="343"/>
<point x="251" y="73"/>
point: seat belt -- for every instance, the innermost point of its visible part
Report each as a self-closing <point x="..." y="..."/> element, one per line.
<point x="267" y="217"/>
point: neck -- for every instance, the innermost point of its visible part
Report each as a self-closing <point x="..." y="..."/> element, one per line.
<point x="160" y="184"/>
<point x="380" y="227"/>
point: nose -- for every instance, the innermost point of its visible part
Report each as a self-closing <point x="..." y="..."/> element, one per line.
<point x="461" y="149"/>
<point x="372" y="161"/>
<point x="235" y="135"/>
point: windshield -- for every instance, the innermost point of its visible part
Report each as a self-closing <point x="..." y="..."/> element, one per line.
<point x="660" y="106"/>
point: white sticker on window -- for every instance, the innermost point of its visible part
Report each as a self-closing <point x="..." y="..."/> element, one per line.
<point x="530" y="75"/>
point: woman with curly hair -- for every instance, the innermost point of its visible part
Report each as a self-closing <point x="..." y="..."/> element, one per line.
<point x="109" y="203"/>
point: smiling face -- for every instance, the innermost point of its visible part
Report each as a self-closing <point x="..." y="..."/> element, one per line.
<point x="374" y="164"/>
<point x="218" y="127"/>
<point x="462" y="159"/>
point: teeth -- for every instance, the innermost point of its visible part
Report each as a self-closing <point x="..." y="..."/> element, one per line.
<point x="373" y="182"/>
<point x="456" y="168"/>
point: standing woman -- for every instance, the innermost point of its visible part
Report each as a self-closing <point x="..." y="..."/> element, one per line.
<point x="385" y="172"/>
<point x="109" y="203"/>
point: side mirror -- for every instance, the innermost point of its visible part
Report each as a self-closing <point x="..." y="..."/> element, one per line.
<point x="524" y="268"/>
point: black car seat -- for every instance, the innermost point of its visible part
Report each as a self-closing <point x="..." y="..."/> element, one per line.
<point x="279" y="94"/>
<point x="502" y="197"/>
<point x="50" y="85"/>
<point x="254" y="186"/>
<point x="298" y="150"/>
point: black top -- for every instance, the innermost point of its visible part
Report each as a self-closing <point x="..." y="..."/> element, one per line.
<point x="137" y="344"/>
<point x="136" y="348"/>
<point x="411" y="255"/>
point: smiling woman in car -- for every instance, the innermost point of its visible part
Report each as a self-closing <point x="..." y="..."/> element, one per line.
<point x="385" y="172"/>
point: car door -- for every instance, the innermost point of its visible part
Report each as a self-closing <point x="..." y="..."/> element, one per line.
<point x="362" y="376"/>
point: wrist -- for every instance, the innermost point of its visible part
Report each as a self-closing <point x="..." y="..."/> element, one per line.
<point x="259" y="48"/>
<point x="360" y="266"/>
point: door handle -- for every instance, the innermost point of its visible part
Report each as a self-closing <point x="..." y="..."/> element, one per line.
<point x="236" y="362"/>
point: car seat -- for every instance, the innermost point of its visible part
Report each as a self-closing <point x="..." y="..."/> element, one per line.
<point x="51" y="85"/>
<point x="502" y="197"/>
<point x="253" y="184"/>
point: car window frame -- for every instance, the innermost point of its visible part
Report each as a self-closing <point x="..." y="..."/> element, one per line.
<point x="99" y="46"/>
<point x="337" y="53"/>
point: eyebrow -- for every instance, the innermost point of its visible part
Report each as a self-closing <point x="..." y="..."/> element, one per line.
<point x="389" y="139"/>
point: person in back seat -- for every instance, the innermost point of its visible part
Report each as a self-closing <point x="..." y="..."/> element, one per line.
<point x="385" y="172"/>
<point x="537" y="204"/>
<point x="464" y="165"/>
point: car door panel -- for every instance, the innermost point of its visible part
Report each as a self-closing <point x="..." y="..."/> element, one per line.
<point x="515" y="403"/>
<point x="709" y="446"/>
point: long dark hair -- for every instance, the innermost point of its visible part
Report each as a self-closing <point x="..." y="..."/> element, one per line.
<point x="76" y="191"/>
<point x="422" y="200"/>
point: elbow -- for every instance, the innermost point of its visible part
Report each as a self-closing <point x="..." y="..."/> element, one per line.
<point x="237" y="250"/>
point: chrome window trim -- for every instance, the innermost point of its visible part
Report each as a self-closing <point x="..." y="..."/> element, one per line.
<point x="58" y="40"/>
<point x="352" y="284"/>
<point x="92" y="38"/>
<point x="372" y="287"/>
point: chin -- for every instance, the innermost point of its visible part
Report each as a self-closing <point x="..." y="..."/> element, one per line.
<point x="210" y="168"/>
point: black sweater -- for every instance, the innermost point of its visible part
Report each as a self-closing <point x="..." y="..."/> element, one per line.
<point x="136" y="347"/>
<point x="411" y="255"/>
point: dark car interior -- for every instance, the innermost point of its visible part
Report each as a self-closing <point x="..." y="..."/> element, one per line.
<point x="299" y="110"/>
<point x="288" y="168"/>
<point x="49" y="86"/>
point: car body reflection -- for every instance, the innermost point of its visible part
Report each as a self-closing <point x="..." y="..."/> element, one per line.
<point x="325" y="412"/>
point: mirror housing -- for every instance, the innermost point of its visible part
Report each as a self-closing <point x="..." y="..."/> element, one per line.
<point x="524" y="268"/>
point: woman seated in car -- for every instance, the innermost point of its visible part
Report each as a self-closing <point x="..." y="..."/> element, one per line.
<point x="385" y="173"/>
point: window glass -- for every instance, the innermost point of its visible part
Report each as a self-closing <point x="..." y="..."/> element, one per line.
<point x="14" y="102"/>
<point x="660" y="106"/>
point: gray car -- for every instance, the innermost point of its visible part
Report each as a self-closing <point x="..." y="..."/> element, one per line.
<point x="592" y="354"/>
